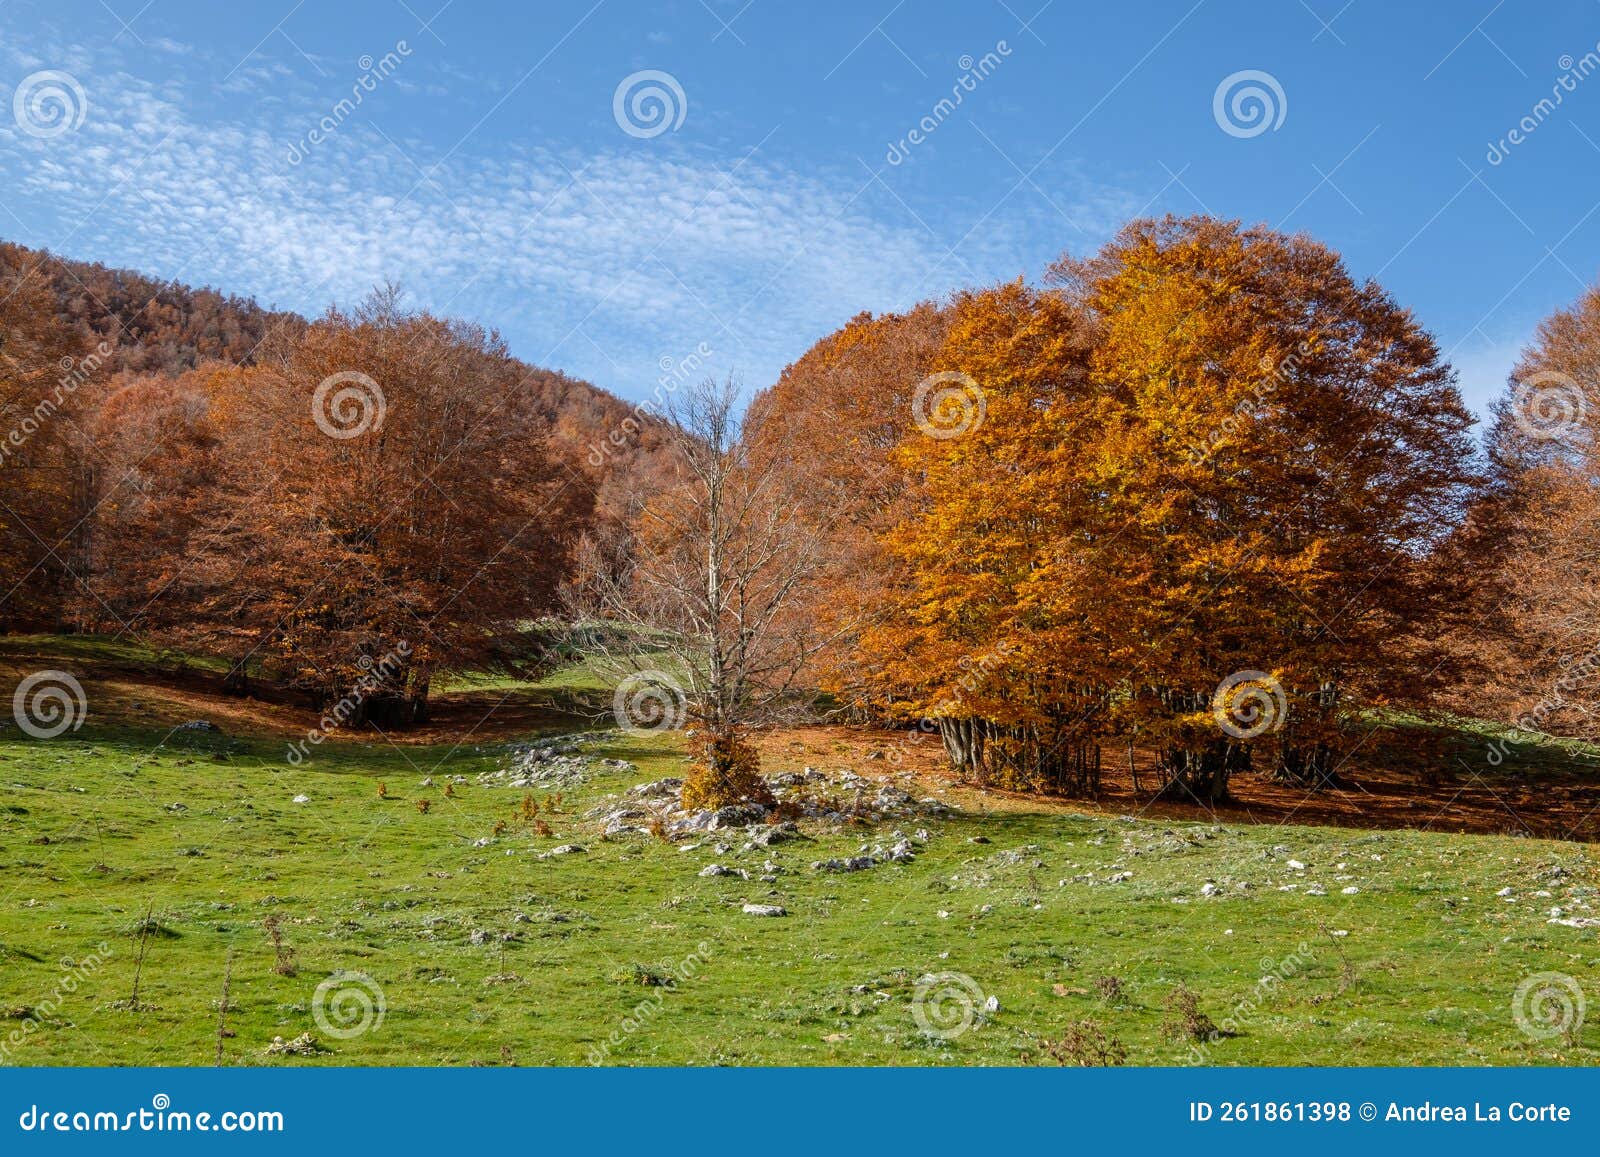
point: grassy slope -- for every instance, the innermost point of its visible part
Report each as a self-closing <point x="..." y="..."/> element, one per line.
<point x="1425" y="975"/>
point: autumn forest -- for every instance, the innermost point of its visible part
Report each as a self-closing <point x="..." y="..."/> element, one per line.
<point x="1202" y="492"/>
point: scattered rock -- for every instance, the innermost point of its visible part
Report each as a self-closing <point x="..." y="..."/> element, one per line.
<point x="555" y="761"/>
<point x="304" y="1045"/>
<point x="769" y="834"/>
<point x="1350" y="891"/>
<point x="198" y="725"/>
<point x="717" y="870"/>
<point x="563" y="850"/>
<point x="625" y="819"/>
<point x="765" y="910"/>
<point x="1295" y="866"/>
<point x="736" y="815"/>
<point x="302" y="799"/>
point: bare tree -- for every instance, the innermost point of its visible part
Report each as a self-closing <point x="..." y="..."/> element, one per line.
<point x="697" y="604"/>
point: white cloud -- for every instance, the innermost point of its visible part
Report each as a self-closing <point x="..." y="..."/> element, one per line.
<point x="599" y="260"/>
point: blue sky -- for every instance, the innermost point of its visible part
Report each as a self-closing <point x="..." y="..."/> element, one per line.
<point x="487" y="169"/>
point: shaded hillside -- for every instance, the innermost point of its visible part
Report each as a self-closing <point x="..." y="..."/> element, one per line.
<point x="156" y="327"/>
<point x="165" y="328"/>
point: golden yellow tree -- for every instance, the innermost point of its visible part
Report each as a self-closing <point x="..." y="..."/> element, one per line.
<point x="1283" y="452"/>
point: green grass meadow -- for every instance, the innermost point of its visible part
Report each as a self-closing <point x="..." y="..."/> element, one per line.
<point x="624" y="954"/>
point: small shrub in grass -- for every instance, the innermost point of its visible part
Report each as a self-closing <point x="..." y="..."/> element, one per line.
<point x="423" y="805"/>
<point x="283" y="956"/>
<point x="725" y="770"/>
<point x="648" y="977"/>
<point x="149" y="926"/>
<point x="383" y="791"/>
<point x="1184" y="1020"/>
<point x="1084" y="1045"/>
<point x="1109" y="988"/>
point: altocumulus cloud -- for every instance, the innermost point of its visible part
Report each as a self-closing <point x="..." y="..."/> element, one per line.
<point x="600" y="261"/>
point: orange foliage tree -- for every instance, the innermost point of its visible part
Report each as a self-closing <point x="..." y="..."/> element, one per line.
<point x="826" y="431"/>
<point x="46" y="376"/>
<point x="1534" y="629"/>
<point x="972" y="640"/>
<point x="375" y="494"/>
<point x="1199" y="504"/>
<point x="1284" y="453"/>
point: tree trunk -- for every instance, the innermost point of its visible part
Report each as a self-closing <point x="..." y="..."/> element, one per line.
<point x="1201" y="775"/>
<point x="1310" y="763"/>
<point x="1059" y="762"/>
